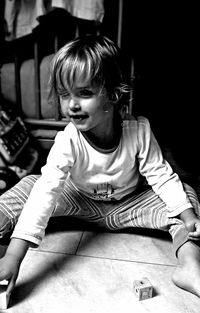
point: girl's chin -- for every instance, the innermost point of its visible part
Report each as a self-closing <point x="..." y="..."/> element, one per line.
<point x="80" y="124"/>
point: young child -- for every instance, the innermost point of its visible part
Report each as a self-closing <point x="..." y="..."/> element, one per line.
<point x="105" y="167"/>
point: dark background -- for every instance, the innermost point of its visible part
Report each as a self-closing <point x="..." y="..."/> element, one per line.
<point x="163" y="39"/>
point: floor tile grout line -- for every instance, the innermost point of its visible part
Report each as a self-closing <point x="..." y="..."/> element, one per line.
<point x="78" y="245"/>
<point x="123" y="260"/>
<point x="103" y="258"/>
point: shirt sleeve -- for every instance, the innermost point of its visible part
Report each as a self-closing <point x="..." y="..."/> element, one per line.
<point x="42" y="199"/>
<point x="158" y="173"/>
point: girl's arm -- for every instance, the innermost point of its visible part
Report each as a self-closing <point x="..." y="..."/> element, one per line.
<point x="158" y="172"/>
<point x="10" y="263"/>
<point x="41" y="202"/>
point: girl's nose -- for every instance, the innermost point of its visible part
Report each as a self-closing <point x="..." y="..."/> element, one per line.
<point x="74" y="104"/>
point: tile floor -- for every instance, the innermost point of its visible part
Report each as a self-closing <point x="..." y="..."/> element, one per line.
<point x="82" y="269"/>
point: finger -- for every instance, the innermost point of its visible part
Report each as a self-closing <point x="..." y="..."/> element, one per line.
<point x="197" y="226"/>
<point x="195" y="233"/>
<point x="11" y="286"/>
<point x="194" y="238"/>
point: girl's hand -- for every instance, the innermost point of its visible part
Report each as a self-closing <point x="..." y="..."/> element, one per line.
<point x="193" y="227"/>
<point x="10" y="263"/>
<point x="9" y="269"/>
<point x="192" y="223"/>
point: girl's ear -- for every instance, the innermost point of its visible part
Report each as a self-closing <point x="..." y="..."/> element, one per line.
<point x="116" y="95"/>
<point x="113" y="98"/>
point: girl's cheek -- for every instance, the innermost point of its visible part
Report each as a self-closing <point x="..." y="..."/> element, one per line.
<point x="64" y="107"/>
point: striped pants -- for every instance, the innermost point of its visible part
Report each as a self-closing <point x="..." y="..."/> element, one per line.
<point x="142" y="209"/>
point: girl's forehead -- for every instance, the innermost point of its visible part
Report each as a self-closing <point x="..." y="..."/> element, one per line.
<point x="82" y="83"/>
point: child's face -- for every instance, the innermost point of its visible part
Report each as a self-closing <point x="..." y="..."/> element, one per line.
<point x="85" y="106"/>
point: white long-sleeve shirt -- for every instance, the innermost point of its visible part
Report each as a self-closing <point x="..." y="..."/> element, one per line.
<point x="99" y="174"/>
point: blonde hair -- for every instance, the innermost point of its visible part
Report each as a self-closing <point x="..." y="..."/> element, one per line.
<point x="94" y="59"/>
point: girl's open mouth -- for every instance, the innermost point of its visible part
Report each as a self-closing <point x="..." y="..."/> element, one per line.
<point x="78" y="118"/>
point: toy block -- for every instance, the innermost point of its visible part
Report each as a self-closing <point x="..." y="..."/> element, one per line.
<point x="143" y="289"/>
<point x="4" y="299"/>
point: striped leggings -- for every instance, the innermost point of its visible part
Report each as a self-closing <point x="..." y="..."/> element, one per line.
<point x="143" y="209"/>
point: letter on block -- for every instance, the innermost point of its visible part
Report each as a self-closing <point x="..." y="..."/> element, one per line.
<point x="143" y="289"/>
<point x="4" y="299"/>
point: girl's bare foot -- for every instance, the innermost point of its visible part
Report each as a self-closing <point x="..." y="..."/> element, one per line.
<point x="187" y="273"/>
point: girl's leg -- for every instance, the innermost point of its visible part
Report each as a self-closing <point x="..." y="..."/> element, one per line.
<point x="187" y="272"/>
<point x="70" y="203"/>
<point x="12" y="203"/>
<point x="147" y="210"/>
<point x="74" y="203"/>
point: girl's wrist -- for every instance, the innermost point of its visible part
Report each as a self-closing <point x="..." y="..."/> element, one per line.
<point x="17" y="249"/>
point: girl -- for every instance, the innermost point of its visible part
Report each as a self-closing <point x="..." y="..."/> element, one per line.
<point x="105" y="167"/>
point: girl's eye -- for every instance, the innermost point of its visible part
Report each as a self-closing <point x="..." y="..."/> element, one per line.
<point x="64" y="95"/>
<point x="86" y="93"/>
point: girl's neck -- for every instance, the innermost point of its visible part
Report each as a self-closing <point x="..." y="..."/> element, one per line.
<point x="109" y="138"/>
